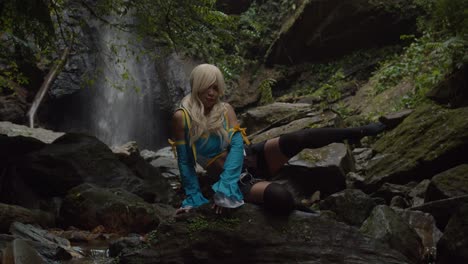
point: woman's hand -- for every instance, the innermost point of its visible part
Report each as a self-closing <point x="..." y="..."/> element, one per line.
<point x="218" y="209"/>
<point x="183" y="210"/>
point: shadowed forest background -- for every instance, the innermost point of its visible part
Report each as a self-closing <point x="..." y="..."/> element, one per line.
<point x="88" y="87"/>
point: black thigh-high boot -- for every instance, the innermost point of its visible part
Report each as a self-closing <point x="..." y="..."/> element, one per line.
<point x="292" y="143"/>
<point x="278" y="200"/>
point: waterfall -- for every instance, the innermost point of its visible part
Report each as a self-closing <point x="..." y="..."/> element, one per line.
<point x="124" y="103"/>
<point x="129" y="90"/>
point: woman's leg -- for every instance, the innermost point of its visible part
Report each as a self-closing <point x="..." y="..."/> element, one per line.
<point x="278" y="151"/>
<point x="274" y="197"/>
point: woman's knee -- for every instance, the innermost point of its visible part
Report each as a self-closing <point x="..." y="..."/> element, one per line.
<point x="277" y="199"/>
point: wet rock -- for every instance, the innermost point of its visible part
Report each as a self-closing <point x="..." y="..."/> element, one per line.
<point x="21" y="252"/>
<point x="453" y="245"/>
<point x="351" y="206"/>
<point x="385" y="225"/>
<point x="45" y="243"/>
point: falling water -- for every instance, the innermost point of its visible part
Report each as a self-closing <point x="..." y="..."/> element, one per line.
<point x="130" y="89"/>
<point x="125" y="106"/>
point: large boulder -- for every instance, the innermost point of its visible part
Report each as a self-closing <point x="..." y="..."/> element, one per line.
<point x="87" y="206"/>
<point x="351" y="206"/>
<point x="71" y="160"/>
<point x="424" y="225"/>
<point x="13" y="189"/>
<point x="48" y="245"/>
<point x="453" y="245"/>
<point x="12" y="109"/>
<point x="321" y="30"/>
<point x="450" y="183"/>
<point x="11" y="213"/>
<point x="249" y="236"/>
<point x="156" y="188"/>
<point x="276" y="114"/>
<point x="322" y="169"/>
<point x="387" y="226"/>
<point x="453" y="91"/>
<point x="429" y="141"/>
<point x="13" y="130"/>
<point x="442" y="210"/>
<point x="325" y="119"/>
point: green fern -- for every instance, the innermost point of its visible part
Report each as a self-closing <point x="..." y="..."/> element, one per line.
<point x="265" y="87"/>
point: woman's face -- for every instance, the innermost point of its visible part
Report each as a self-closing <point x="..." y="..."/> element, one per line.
<point x="209" y="97"/>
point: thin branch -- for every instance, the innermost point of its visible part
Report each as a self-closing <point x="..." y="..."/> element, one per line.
<point x="47" y="82"/>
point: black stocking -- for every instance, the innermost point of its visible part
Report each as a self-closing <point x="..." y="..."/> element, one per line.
<point x="292" y="143"/>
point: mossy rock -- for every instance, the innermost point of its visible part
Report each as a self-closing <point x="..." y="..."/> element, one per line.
<point x="431" y="140"/>
<point x="450" y="183"/>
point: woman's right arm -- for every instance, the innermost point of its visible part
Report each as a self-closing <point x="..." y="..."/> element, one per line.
<point x="186" y="162"/>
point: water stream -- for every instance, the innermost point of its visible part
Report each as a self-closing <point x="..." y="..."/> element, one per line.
<point x="124" y="102"/>
<point x="94" y="252"/>
<point x="129" y="92"/>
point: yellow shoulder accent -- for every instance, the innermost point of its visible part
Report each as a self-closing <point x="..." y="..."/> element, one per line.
<point x="237" y="128"/>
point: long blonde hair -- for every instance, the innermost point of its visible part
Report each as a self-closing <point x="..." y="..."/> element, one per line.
<point x="202" y="77"/>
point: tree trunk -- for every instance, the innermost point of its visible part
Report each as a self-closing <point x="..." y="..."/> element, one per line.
<point x="49" y="79"/>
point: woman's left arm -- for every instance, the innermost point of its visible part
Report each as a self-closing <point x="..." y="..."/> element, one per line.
<point x="227" y="193"/>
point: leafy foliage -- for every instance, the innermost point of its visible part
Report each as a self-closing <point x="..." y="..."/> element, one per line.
<point x="265" y="87"/>
<point x="27" y="33"/>
<point x="431" y="57"/>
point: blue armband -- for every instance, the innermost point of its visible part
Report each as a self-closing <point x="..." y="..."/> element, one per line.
<point x="227" y="192"/>
<point x="186" y="162"/>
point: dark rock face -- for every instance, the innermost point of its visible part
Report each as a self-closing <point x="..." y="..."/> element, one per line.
<point x="453" y="91"/>
<point x="351" y="206"/>
<point x="322" y="169"/>
<point x="12" y="213"/>
<point x="325" y="29"/>
<point x="12" y="109"/>
<point x="12" y="151"/>
<point x="450" y="183"/>
<point x="385" y="225"/>
<point x="233" y="6"/>
<point x="87" y="206"/>
<point x="442" y="210"/>
<point x="429" y="141"/>
<point x="249" y="236"/>
<point x="73" y="159"/>
<point x="453" y="245"/>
